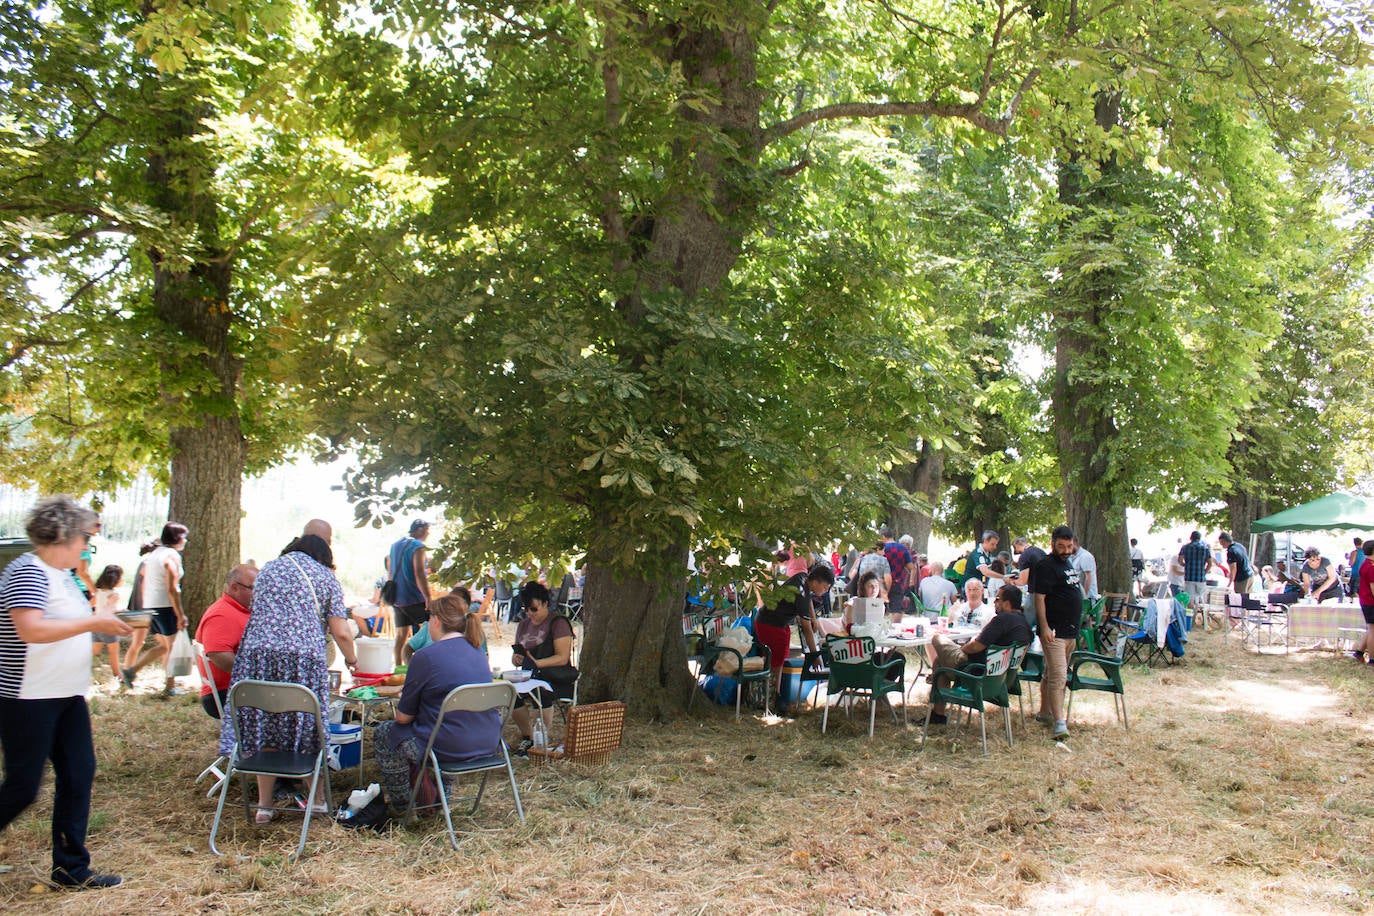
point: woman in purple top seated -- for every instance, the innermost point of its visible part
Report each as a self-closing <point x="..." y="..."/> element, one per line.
<point x="449" y="661"/>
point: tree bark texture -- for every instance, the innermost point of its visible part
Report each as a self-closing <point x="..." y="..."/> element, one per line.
<point x="924" y="479"/>
<point x="1083" y="428"/>
<point x="208" y="453"/>
<point x="1242" y="509"/>
<point x="632" y="646"/>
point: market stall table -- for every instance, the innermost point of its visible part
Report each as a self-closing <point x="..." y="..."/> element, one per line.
<point x="1322" y="621"/>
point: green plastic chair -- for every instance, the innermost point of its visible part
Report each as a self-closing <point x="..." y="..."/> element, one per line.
<point x="1032" y="671"/>
<point x="1092" y="619"/>
<point x="1018" y="660"/>
<point x="973" y="687"/>
<point x="853" y="673"/>
<point x="743" y="679"/>
<point x="1109" y="682"/>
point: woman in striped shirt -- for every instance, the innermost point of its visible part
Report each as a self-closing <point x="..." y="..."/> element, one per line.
<point x="45" y="671"/>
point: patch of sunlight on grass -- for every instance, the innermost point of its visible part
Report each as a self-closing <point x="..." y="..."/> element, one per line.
<point x="1100" y="897"/>
<point x="1294" y="701"/>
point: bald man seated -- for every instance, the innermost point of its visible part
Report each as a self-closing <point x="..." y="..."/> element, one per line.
<point x="221" y="631"/>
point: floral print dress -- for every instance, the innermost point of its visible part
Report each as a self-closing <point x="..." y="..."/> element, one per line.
<point x="285" y="641"/>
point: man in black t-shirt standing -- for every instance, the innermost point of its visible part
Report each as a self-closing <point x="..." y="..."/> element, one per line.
<point x="1058" y="608"/>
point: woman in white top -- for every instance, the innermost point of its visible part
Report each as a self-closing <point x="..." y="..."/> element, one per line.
<point x="45" y="671"/>
<point x="162" y="595"/>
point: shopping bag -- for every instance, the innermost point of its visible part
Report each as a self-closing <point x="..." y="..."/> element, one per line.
<point x="179" y="662"/>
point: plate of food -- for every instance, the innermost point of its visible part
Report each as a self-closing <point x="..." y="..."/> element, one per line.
<point x="135" y="618"/>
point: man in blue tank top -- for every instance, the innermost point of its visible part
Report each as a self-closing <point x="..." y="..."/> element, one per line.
<point x="406" y="565"/>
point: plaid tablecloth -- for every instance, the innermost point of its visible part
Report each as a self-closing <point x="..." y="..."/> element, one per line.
<point x="1323" y="621"/>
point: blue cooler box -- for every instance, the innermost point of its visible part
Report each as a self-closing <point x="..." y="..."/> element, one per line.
<point x="345" y="746"/>
<point x="791" y="687"/>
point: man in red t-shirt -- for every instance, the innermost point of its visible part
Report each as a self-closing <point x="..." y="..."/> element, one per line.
<point x="1365" y="650"/>
<point x="221" y="631"/>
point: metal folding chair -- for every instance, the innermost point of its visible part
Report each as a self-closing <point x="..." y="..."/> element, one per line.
<point x="275" y="699"/>
<point x="206" y="678"/>
<point x="499" y="696"/>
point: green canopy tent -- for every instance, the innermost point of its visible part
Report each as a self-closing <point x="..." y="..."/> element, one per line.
<point x="1339" y="511"/>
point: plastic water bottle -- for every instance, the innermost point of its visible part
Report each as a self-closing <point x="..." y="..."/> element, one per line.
<point x="540" y="737"/>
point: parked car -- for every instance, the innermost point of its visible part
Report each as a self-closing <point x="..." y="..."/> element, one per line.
<point x="11" y="548"/>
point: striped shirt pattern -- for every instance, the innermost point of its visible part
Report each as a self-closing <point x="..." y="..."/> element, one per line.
<point x="35" y="671"/>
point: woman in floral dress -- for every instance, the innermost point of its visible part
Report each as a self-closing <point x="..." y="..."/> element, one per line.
<point x="294" y="598"/>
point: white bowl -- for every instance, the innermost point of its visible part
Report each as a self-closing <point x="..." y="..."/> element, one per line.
<point x="516" y="675"/>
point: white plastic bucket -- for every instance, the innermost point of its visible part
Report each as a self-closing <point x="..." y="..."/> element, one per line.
<point x="375" y="656"/>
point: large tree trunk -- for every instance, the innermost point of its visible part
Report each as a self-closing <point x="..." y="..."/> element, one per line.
<point x="925" y="480"/>
<point x="207" y="451"/>
<point x="633" y="648"/>
<point x="1085" y="431"/>
<point x="633" y="643"/>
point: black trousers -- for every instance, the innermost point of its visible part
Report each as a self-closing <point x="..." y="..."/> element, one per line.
<point x="33" y="732"/>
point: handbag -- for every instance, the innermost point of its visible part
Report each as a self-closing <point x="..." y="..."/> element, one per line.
<point x="559" y="675"/>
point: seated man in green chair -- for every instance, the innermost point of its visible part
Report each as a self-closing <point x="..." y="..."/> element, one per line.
<point x="1008" y="626"/>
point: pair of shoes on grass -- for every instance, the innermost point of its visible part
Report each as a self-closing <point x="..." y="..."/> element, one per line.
<point x="523" y="748"/>
<point x="938" y="718"/>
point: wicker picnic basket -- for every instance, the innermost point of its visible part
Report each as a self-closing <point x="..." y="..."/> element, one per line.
<point x="593" y="732"/>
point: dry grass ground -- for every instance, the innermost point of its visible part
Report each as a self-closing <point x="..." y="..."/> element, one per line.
<point x="1246" y="784"/>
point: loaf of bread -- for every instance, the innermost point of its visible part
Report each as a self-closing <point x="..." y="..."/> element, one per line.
<point x="395" y="680"/>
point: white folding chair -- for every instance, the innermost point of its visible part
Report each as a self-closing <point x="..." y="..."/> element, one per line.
<point x="207" y="680"/>
<point x="469" y="698"/>
<point x="275" y="698"/>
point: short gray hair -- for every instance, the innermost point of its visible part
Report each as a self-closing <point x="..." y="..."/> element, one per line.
<point x="56" y="520"/>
